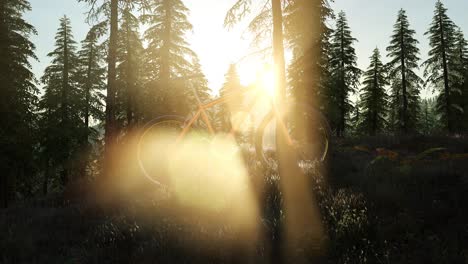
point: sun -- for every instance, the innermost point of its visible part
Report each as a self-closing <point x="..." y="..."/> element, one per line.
<point x="267" y="81"/>
<point x="248" y="73"/>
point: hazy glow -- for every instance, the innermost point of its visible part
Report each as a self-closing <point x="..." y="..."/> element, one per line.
<point x="260" y="74"/>
<point x="200" y="177"/>
<point x="248" y="72"/>
<point x="267" y="81"/>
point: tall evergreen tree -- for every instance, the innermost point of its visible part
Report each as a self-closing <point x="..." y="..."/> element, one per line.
<point x="110" y="10"/>
<point x="129" y="70"/>
<point x="308" y="35"/>
<point x="62" y="121"/>
<point x="374" y="99"/>
<point x="199" y="83"/>
<point x="460" y="79"/>
<point x="230" y="86"/>
<point x="406" y="84"/>
<point x="168" y="53"/>
<point x="91" y="77"/>
<point x="439" y="68"/>
<point x="344" y="73"/>
<point x="18" y="97"/>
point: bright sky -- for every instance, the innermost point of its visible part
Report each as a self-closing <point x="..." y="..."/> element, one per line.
<point x="371" y="22"/>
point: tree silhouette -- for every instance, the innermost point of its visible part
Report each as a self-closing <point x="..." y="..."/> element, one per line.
<point x="110" y="10"/>
<point x="18" y="97"/>
<point x="439" y="67"/>
<point x="129" y="70"/>
<point x="374" y="100"/>
<point x="61" y="120"/>
<point x="460" y="77"/>
<point x="406" y="84"/>
<point x="344" y="72"/>
<point x="230" y="86"/>
<point x="308" y="35"/>
<point x="168" y="55"/>
<point x="91" y="77"/>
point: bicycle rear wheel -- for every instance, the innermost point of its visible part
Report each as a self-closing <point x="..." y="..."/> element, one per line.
<point x="308" y="130"/>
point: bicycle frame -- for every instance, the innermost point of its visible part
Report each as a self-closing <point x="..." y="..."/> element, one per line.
<point x="202" y="107"/>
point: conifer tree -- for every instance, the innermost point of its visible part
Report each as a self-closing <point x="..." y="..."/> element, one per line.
<point x="344" y="73"/>
<point x="199" y="83"/>
<point x="129" y="69"/>
<point x="110" y="10"/>
<point x="308" y="35"/>
<point x="439" y="68"/>
<point x="374" y="99"/>
<point x="230" y="86"/>
<point x="91" y="77"/>
<point x="168" y="55"/>
<point x="406" y="84"/>
<point x="18" y="97"/>
<point x="460" y="79"/>
<point x="61" y="120"/>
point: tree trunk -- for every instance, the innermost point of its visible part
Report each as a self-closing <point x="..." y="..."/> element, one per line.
<point x="446" y="80"/>
<point x="88" y="92"/>
<point x="404" y="83"/>
<point x="65" y="90"/>
<point x="4" y="188"/>
<point x="277" y="236"/>
<point x="375" y="114"/>
<point x="110" y="128"/>
<point x="45" y="183"/>
<point x="165" y="74"/>
<point x="342" y="122"/>
<point x="130" y="80"/>
<point x="298" y="202"/>
<point x="85" y="141"/>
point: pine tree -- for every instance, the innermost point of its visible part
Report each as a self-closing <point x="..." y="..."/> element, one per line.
<point x="374" y="99"/>
<point x="110" y="10"/>
<point x="406" y="84"/>
<point x="344" y="73"/>
<point x="18" y="97"/>
<point x="439" y="68"/>
<point x="308" y="36"/>
<point x="129" y="70"/>
<point x="91" y="77"/>
<point x="62" y="121"/>
<point x="168" y="55"/>
<point x="230" y="87"/>
<point x="199" y="83"/>
<point x="460" y="78"/>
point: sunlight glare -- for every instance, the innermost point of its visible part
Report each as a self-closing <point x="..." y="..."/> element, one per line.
<point x="260" y="74"/>
<point x="267" y="81"/>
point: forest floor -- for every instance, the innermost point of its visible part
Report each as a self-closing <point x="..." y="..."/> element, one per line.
<point x="383" y="200"/>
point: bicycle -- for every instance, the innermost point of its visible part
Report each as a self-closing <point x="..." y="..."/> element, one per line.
<point x="306" y="129"/>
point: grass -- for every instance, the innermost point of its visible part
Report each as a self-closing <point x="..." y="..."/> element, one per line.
<point x="376" y="208"/>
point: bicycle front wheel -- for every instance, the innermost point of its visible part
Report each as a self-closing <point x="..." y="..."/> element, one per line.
<point x="155" y="144"/>
<point x="308" y="130"/>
